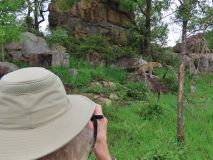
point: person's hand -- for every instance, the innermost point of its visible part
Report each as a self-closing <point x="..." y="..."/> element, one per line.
<point x="101" y="149"/>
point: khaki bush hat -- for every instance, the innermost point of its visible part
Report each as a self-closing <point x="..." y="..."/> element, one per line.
<point x="36" y="115"/>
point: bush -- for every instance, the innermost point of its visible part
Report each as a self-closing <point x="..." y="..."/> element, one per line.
<point x="150" y="111"/>
<point x="109" y="52"/>
<point x="57" y="36"/>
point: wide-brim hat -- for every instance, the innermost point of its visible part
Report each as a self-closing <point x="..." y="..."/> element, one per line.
<point x="36" y="115"/>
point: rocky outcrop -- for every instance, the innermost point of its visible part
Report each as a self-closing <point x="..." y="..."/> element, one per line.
<point x="130" y="64"/>
<point x="34" y="49"/>
<point x="194" y="44"/>
<point x="87" y="19"/>
<point x="198" y="57"/>
<point x="201" y="62"/>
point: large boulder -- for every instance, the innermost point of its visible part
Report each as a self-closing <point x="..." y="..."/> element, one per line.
<point x="130" y="64"/>
<point x="194" y="44"/>
<point x="6" y="67"/>
<point x="31" y="43"/>
<point x="34" y="49"/>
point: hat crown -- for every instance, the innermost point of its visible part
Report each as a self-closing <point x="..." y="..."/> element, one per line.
<point x="31" y="97"/>
<point x="26" y="75"/>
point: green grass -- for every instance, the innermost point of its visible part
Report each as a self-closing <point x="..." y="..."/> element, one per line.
<point x="140" y="128"/>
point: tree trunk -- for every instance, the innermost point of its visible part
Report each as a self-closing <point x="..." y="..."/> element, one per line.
<point x="2" y="51"/>
<point x="147" y="43"/>
<point x="28" y="18"/>
<point x="180" y="127"/>
<point x="36" y="15"/>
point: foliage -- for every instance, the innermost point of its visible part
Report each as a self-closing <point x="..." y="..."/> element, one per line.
<point x="197" y="14"/>
<point x="95" y="43"/>
<point x="9" y="33"/>
<point x="166" y="58"/>
<point x="21" y="64"/>
<point x="109" y="73"/>
<point x="159" y="34"/>
<point x="81" y="81"/>
<point x="71" y="44"/>
<point x="133" y="36"/>
<point x="172" y="83"/>
<point x="136" y="90"/>
<point x="150" y="111"/>
<point x="65" y="4"/>
<point x="209" y="38"/>
<point x="9" y="24"/>
<point x="147" y="24"/>
<point x="57" y="36"/>
<point x="109" y="52"/>
<point x="34" y="13"/>
<point x="9" y="11"/>
<point x="60" y="35"/>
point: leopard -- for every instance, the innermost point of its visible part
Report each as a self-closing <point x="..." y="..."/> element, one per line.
<point x="148" y="67"/>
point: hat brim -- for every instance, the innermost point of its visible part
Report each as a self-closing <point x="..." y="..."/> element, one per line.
<point x="35" y="143"/>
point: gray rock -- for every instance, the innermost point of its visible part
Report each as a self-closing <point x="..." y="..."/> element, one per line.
<point x="130" y="64"/>
<point x="113" y="96"/>
<point x="6" y="67"/>
<point x="59" y="56"/>
<point x="34" y="49"/>
<point x="73" y="72"/>
<point x="31" y="43"/>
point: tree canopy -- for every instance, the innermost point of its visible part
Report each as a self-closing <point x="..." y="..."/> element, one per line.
<point x="9" y="22"/>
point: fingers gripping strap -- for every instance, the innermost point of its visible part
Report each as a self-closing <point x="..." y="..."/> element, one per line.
<point x="98" y="116"/>
<point x="95" y="125"/>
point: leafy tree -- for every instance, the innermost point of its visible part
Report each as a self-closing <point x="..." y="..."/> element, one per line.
<point x="9" y="23"/>
<point x="152" y="10"/>
<point x="37" y="8"/>
<point x="201" y="18"/>
<point x="208" y="27"/>
<point x="148" y="26"/>
<point x="189" y="14"/>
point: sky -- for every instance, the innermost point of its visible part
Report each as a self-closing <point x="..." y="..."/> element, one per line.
<point x="174" y="30"/>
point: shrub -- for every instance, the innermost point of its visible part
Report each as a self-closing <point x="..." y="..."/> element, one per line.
<point x="150" y="111"/>
<point x="109" y="52"/>
<point x="57" y="36"/>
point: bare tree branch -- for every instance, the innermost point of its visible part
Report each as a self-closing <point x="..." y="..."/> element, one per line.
<point x="141" y="8"/>
<point x="168" y="14"/>
<point x="181" y="2"/>
<point x="205" y="25"/>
